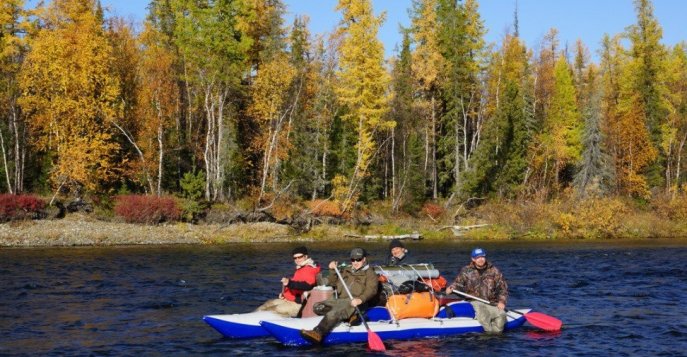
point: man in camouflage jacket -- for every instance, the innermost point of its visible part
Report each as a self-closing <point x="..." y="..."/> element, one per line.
<point x="484" y="280"/>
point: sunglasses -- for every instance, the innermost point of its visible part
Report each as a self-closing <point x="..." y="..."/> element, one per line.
<point x="296" y="257"/>
<point x="357" y="260"/>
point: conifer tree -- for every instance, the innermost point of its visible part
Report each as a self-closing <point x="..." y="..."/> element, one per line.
<point x="580" y="78"/>
<point x="595" y="175"/>
<point x="303" y="165"/>
<point x="427" y="63"/>
<point x="461" y="43"/>
<point x="407" y="186"/>
<point x="634" y="149"/>
<point x="612" y="59"/>
<point x="562" y="127"/>
<point x="544" y="69"/>
<point x="314" y="128"/>
<point x="363" y="89"/>
<point x="500" y="161"/>
<point x="647" y="75"/>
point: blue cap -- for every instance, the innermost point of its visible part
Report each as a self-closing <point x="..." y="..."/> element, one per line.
<point x="478" y="252"/>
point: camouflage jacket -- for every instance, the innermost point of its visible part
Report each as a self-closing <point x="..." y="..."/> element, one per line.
<point x="488" y="283"/>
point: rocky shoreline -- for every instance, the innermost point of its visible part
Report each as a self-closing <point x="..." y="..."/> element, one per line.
<point x="82" y="230"/>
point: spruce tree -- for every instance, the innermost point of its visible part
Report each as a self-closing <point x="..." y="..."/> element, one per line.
<point x="595" y="174"/>
<point x="648" y="78"/>
<point x="461" y="42"/>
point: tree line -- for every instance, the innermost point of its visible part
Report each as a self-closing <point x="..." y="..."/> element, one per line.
<point x="224" y="97"/>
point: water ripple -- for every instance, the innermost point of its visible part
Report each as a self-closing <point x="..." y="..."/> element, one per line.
<point x="615" y="298"/>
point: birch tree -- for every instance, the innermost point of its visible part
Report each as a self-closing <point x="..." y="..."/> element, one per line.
<point x="70" y="95"/>
<point x="13" y="128"/>
<point x="211" y="38"/>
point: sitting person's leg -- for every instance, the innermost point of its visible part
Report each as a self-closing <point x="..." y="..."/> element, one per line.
<point x="338" y="310"/>
<point x="269" y="305"/>
<point x="288" y="308"/>
<point x="490" y="317"/>
<point x="281" y="306"/>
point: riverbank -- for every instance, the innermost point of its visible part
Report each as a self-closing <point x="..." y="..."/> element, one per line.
<point x="591" y="219"/>
<point x="82" y="230"/>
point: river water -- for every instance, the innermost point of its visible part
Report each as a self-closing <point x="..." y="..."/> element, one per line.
<point x="620" y="298"/>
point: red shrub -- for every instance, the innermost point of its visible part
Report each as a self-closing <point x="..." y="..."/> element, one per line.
<point x="19" y="206"/>
<point x="147" y="209"/>
<point x="325" y="208"/>
<point x="432" y="209"/>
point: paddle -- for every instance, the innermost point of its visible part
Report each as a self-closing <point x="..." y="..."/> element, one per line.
<point x="373" y="340"/>
<point x="543" y="321"/>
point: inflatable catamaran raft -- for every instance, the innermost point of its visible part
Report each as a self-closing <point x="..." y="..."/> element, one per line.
<point x="453" y="316"/>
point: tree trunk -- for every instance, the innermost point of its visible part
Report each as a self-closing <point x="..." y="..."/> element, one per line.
<point x="393" y="162"/>
<point x="678" y="164"/>
<point x="4" y="160"/>
<point x="435" y="188"/>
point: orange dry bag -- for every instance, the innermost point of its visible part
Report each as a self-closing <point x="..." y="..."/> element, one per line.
<point x="437" y="284"/>
<point x="415" y="304"/>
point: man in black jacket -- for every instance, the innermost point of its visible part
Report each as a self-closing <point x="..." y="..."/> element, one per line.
<point x="398" y="254"/>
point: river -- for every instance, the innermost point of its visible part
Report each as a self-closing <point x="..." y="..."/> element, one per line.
<point x="620" y="298"/>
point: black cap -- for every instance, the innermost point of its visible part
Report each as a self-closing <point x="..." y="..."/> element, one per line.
<point x="396" y="243"/>
<point x="300" y="250"/>
<point x="358" y="253"/>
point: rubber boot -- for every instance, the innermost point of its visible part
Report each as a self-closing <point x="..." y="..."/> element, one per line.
<point x="314" y="335"/>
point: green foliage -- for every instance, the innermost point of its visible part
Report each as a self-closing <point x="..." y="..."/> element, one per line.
<point x="460" y="33"/>
<point x="192" y="210"/>
<point x="500" y="162"/>
<point x="414" y="193"/>
<point x="193" y="185"/>
<point x="513" y="148"/>
<point x="409" y="183"/>
<point x="560" y="141"/>
<point x="648" y="81"/>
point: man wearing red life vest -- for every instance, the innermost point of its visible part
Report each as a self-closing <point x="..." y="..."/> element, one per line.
<point x="304" y="279"/>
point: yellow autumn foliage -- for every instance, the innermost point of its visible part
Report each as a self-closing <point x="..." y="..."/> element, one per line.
<point x="70" y="95"/>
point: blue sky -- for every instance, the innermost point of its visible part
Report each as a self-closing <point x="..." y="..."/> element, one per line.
<point x="584" y="19"/>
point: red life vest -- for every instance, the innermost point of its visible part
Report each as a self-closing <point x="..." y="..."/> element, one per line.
<point x="307" y="274"/>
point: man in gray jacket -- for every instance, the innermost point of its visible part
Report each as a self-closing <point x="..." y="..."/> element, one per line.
<point x="362" y="283"/>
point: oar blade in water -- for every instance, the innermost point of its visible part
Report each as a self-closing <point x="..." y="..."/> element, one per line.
<point x="375" y="342"/>
<point x="543" y="321"/>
